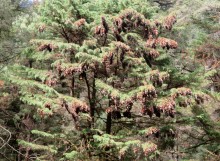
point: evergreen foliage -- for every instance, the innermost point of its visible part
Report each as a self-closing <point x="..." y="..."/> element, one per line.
<point x="8" y="46"/>
<point x="99" y="80"/>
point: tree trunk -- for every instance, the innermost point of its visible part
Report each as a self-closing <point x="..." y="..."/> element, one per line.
<point x="109" y="118"/>
<point x="30" y="63"/>
<point x="91" y="97"/>
<point x="109" y="123"/>
<point x="93" y="101"/>
<point x="72" y="87"/>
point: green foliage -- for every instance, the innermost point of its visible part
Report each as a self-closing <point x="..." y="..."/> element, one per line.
<point x="9" y="48"/>
<point x="100" y="80"/>
<point x="71" y="155"/>
<point x="41" y="133"/>
<point x="37" y="147"/>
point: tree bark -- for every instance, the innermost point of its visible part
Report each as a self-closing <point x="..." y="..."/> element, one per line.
<point x="109" y="118"/>
<point x="91" y="97"/>
<point x="93" y="100"/>
<point x="72" y="87"/>
<point x="109" y="123"/>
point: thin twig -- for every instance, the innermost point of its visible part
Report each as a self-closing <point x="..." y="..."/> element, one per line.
<point x="8" y="138"/>
<point x="7" y="142"/>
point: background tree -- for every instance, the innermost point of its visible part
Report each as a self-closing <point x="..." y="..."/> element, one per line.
<point x="8" y="47"/>
<point x="195" y="28"/>
<point x="12" y="42"/>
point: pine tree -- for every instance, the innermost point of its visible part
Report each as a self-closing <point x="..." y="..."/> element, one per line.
<point x="196" y="31"/>
<point x="8" y="48"/>
<point x="99" y="83"/>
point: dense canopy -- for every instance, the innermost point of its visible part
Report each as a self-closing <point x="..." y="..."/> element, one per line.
<point x="110" y="80"/>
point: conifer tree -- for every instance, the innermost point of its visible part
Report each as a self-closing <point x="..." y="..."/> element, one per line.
<point x="198" y="48"/>
<point x="8" y="11"/>
<point x="98" y="83"/>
